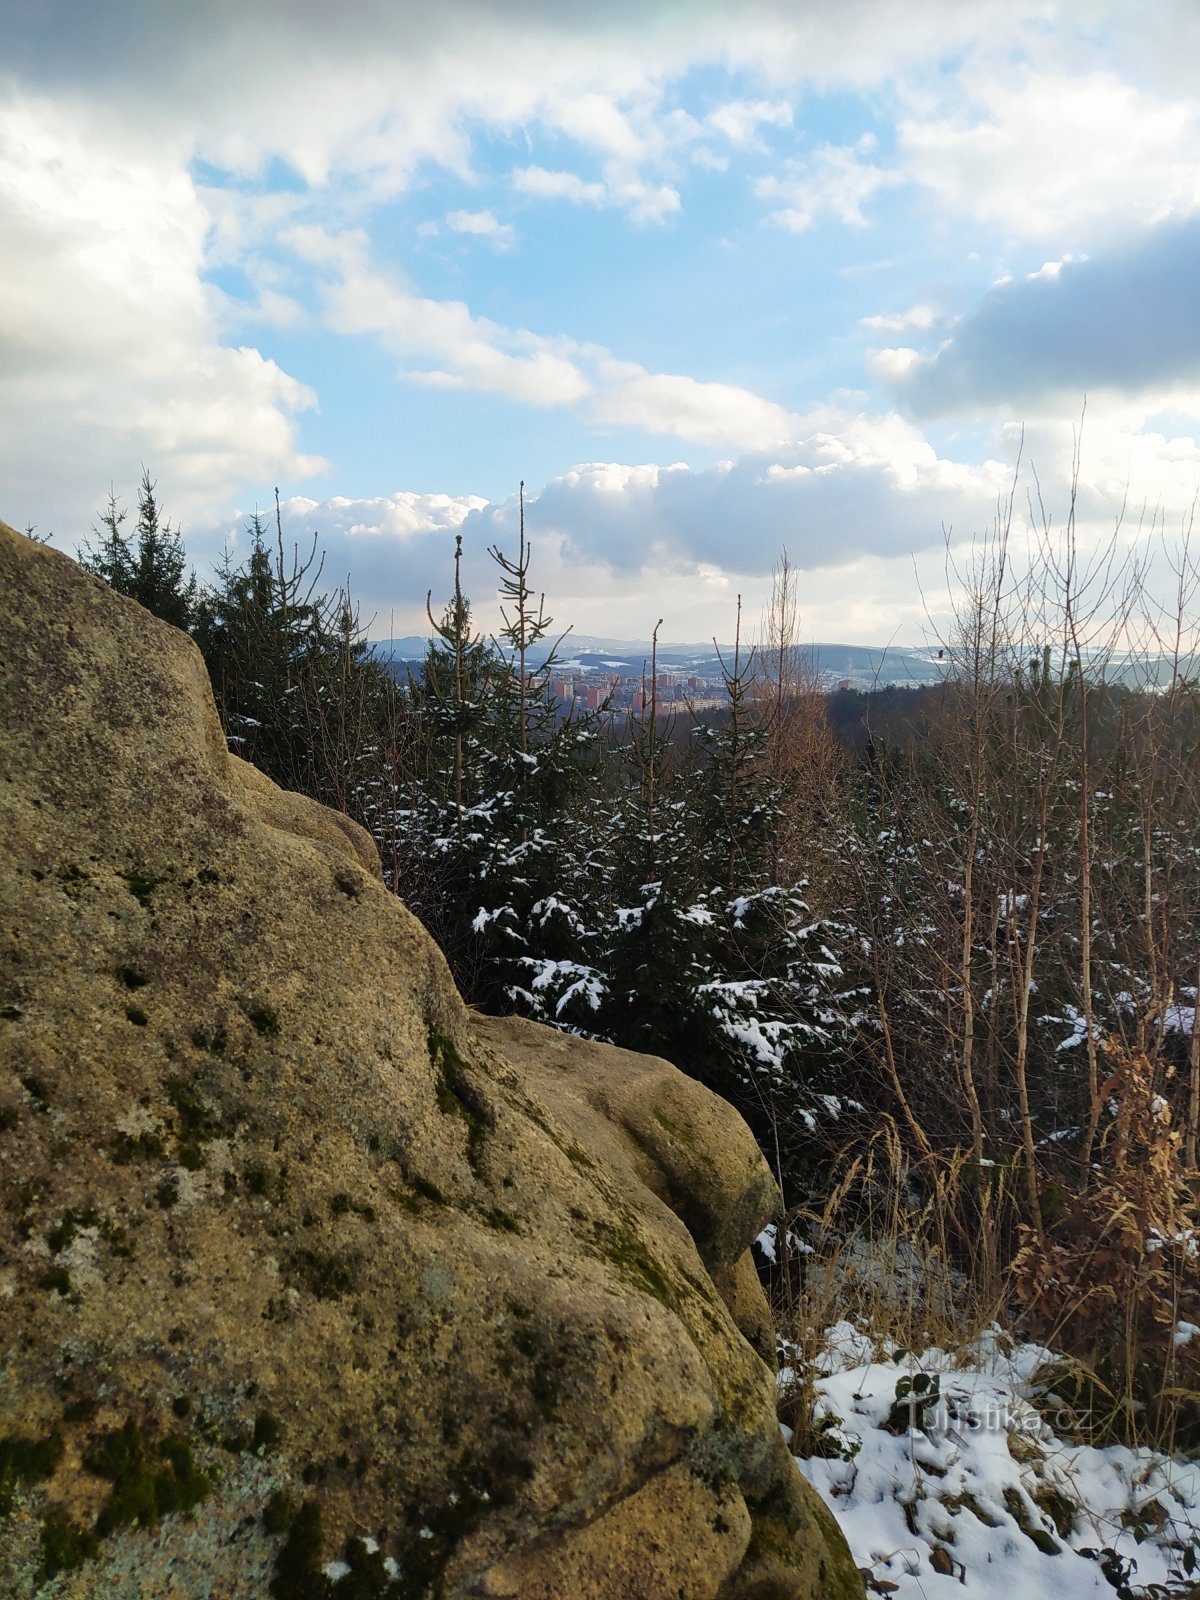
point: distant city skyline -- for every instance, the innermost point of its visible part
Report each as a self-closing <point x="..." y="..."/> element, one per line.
<point x="712" y="278"/>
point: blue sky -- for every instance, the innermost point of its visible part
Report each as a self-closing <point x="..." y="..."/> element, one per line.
<point x="713" y="279"/>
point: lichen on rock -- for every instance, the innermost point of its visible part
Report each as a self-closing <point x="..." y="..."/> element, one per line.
<point x="300" y="1262"/>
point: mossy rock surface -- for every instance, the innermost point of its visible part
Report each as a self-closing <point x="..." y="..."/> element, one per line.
<point x="306" y="1263"/>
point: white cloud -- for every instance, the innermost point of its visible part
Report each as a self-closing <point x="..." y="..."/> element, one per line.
<point x="597" y="122"/>
<point x="401" y="518"/>
<point x="719" y="414"/>
<point x="1053" y="156"/>
<point x="918" y="318"/>
<point x="483" y="225"/>
<point x="548" y="185"/>
<point x="739" y="121"/>
<point x="645" y="202"/>
<point x="852" y="501"/>
<point x="472" y="351"/>
<point x="835" y="181"/>
<point x="110" y="343"/>
<point x="405" y="86"/>
<point x="393" y="549"/>
<point x="893" y="365"/>
<point x="857" y="500"/>
<point x="475" y="353"/>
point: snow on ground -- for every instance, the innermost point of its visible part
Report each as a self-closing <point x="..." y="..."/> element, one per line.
<point x="986" y="1500"/>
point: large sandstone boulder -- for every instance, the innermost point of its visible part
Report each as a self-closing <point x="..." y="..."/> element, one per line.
<point x="302" y="1263"/>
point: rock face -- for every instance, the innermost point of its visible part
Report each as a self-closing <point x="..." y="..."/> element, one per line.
<point x="295" y="1251"/>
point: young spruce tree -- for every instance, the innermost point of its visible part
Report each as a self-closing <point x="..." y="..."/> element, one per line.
<point x="151" y="567"/>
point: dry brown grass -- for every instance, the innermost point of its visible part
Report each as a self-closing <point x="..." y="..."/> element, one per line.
<point x="885" y="1252"/>
<point x="920" y="1253"/>
<point x="1118" y="1271"/>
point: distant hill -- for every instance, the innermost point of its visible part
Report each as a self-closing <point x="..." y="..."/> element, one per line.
<point x="862" y="666"/>
<point x="857" y="666"/>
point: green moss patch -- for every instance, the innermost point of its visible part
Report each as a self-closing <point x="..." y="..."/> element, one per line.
<point x="26" y="1460"/>
<point x="298" y="1574"/>
<point x="426" y="1189"/>
<point x="65" y="1545"/>
<point x="36" y="1088"/>
<point x="141" y="886"/>
<point x="196" y="1123"/>
<point x="326" y="1276"/>
<point x="261" y="1438"/>
<point x="212" y="1039"/>
<point x="458" y="1097"/>
<point x="263" y="1020"/>
<point x="144" y="1146"/>
<point x="257" y="1180"/>
<point x="1016" y="1507"/>
<point x="61" y="1233"/>
<point x="146" y="1484"/>
<point x="618" y="1242"/>
<point x="72" y="879"/>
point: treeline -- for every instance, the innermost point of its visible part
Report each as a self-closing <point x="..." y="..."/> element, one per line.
<point x="969" y="914"/>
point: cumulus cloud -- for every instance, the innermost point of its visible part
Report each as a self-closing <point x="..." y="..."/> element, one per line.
<point x="111" y="348"/>
<point x="718" y="414"/>
<point x="598" y="122"/>
<point x="403" y="85"/>
<point x="734" y="517"/>
<point x="1051" y="155"/>
<point x="856" y="488"/>
<point x="858" y="502"/>
<point x="1127" y="320"/>
<point x="388" y="550"/>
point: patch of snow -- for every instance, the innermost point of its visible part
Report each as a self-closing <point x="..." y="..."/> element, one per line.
<point x="1179" y="1019"/>
<point x="984" y="1497"/>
